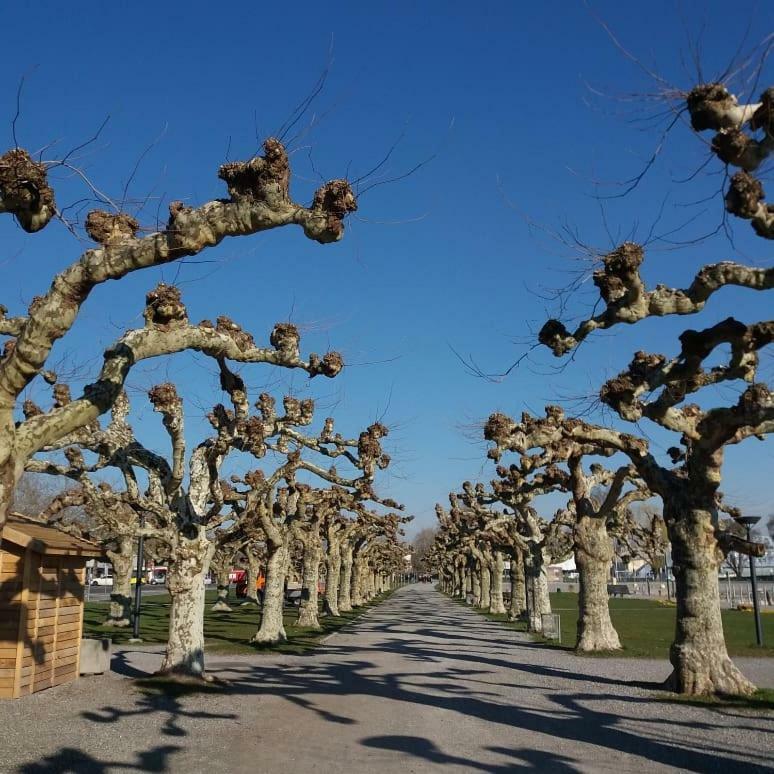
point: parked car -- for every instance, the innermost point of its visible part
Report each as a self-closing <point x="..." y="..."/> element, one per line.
<point x="102" y="580"/>
<point x="157" y="576"/>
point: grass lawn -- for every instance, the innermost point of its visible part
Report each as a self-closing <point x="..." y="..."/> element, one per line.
<point x="223" y="632"/>
<point x="646" y="628"/>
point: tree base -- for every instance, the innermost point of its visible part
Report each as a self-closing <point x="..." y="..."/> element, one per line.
<point x="599" y="642"/>
<point x="698" y="676"/>
<point x="274" y="638"/>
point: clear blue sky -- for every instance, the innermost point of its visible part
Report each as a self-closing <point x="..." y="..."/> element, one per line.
<point x="506" y="95"/>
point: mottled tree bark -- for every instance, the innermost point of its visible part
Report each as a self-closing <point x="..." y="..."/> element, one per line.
<point x="475" y="583"/>
<point x="272" y="629"/>
<point x="345" y="582"/>
<point x="332" y="577"/>
<point x="188" y="567"/>
<point x="536" y="575"/>
<point x="486" y="584"/>
<point x="593" y="556"/>
<point x="358" y="583"/>
<point x="496" y="604"/>
<point x="698" y="653"/>
<point x="518" y="592"/>
<point x="308" y="606"/>
<point x="120" y="611"/>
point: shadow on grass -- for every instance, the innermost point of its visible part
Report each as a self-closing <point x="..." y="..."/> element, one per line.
<point x="227" y="632"/>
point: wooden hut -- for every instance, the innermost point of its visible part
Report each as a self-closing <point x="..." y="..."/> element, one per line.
<point x="41" y="606"/>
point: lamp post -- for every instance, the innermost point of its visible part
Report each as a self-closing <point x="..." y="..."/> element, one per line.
<point x="749" y="522"/>
<point x="138" y="585"/>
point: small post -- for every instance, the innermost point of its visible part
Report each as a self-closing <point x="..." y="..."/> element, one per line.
<point x="138" y="586"/>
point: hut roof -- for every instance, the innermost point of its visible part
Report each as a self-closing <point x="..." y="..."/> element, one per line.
<point x="47" y="540"/>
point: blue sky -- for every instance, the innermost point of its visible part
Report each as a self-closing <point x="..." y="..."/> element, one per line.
<point x="508" y="99"/>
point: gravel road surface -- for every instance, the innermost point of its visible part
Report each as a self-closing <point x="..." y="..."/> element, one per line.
<point x="419" y="684"/>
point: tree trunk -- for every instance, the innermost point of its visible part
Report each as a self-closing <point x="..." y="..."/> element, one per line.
<point x="593" y="557"/>
<point x="698" y="654"/>
<point x="458" y="580"/>
<point x="358" y="583"/>
<point x="475" y="584"/>
<point x="223" y="585"/>
<point x="252" y="572"/>
<point x="188" y="566"/>
<point x="120" y="612"/>
<point x="518" y="592"/>
<point x="332" y="577"/>
<point x="486" y="584"/>
<point x="467" y="586"/>
<point x="345" y="584"/>
<point x="9" y="477"/>
<point x="307" y="607"/>
<point x="538" y="601"/>
<point x="272" y="629"/>
<point x="496" y="604"/>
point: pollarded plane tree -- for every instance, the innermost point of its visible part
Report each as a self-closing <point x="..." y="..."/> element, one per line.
<point x="228" y="546"/>
<point x="307" y="532"/>
<point x="348" y="529"/>
<point x="545" y="540"/>
<point x="472" y="551"/>
<point x="258" y="200"/>
<point x="276" y="511"/>
<point x="370" y="529"/>
<point x="251" y="557"/>
<point x="596" y="515"/>
<point x="451" y="555"/>
<point x="657" y="387"/>
<point x="646" y="538"/>
<point x="502" y="531"/>
<point x="188" y="515"/>
<point x="460" y="531"/>
<point x="385" y="559"/>
<point x="110" y="521"/>
<point x="484" y="544"/>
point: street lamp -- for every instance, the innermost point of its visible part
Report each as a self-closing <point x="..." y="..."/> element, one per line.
<point x="749" y="522"/>
<point x="138" y="584"/>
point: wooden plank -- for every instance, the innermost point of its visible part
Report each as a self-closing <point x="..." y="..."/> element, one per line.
<point x="64" y="653"/>
<point x="60" y="679"/>
<point x="22" y="622"/>
<point x="70" y="627"/>
<point x="43" y="603"/>
<point x="63" y="664"/>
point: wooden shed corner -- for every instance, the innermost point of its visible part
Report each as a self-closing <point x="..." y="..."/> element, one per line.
<point x="42" y="574"/>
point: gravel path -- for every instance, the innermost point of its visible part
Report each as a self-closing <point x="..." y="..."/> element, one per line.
<point x="419" y="684"/>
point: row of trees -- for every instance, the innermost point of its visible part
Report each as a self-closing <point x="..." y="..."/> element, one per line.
<point x="292" y="505"/>
<point x="556" y="452"/>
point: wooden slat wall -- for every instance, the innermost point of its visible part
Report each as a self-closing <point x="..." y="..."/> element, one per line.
<point x="41" y="620"/>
